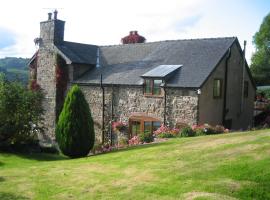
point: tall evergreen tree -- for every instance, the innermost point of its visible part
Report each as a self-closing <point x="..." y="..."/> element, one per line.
<point x="260" y="61"/>
<point x="75" y="130"/>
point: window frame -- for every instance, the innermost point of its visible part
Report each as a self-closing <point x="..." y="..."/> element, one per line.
<point x="217" y="96"/>
<point x="152" y="87"/>
<point x="246" y="88"/>
<point x="142" y="121"/>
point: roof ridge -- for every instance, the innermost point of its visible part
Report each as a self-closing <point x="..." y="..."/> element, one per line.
<point x="161" y="41"/>
<point x="80" y="43"/>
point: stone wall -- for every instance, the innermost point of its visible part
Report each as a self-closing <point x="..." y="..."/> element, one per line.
<point x="129" y="100"/>
<point x="46" y="80"/>
<point x="182" y="106"/>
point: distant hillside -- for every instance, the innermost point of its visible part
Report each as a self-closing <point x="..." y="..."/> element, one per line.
<point x="15" y="68"/>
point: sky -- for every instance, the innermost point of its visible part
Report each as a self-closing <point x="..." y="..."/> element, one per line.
<point x="105" y="22"/>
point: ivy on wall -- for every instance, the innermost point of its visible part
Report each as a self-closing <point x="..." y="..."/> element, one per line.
<point x="33" y="85"/>
<point x="61" y="78"/>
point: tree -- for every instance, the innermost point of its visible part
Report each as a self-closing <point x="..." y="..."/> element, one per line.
<point x="260" y="61"/>
<point x="75" y="130"/>
<point x="20" y="113"/>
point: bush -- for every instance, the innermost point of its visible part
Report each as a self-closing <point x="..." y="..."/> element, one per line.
<point x="166" y="135"/>
<point x="219" y="129"/>
<point x="199" y="132"/>
<point x="264" y="92"/>
<point x="122" y="142"/>
<point x="75" y="130"/>
<point x="187" y="132"/>
<point x="166" y="132"/>
<point x="206" y="129"/>
<point x="146" y="137"/>
<point x="20" y="114"/>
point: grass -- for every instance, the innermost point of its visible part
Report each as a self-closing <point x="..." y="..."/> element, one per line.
<point x="228" y="166"/>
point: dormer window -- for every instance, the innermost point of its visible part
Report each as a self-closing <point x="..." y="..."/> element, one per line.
<point x="152" y="87"/>
<point x="157" y="76"/>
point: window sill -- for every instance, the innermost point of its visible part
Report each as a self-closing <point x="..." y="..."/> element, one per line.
<point x="153" y="96"/>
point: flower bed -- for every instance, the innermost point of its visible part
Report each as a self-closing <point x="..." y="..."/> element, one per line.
<point x="160" y="135"/>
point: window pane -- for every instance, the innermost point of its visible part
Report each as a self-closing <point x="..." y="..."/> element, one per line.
<point x="135" y="128"/>
<point x="147" y="126"/>
<point x="157" y="90"/>
<point x="148" y="86"/>
<point x="156" y="125"/>
<point x="246" y="89"/>
<point x="217" y="88"/>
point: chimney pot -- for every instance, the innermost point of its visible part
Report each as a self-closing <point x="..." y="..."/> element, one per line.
<point x="130" y="32"/>
<point x="49" y="16"/>
<point x="55" y="14"/>
<point x="135" y="32"/>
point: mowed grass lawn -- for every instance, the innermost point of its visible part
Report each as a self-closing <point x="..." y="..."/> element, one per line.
<point x="228" y="166"/>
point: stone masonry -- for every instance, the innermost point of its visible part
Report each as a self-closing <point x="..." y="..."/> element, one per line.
<point x="181" y="105"/>
<point x="51" y="32"/>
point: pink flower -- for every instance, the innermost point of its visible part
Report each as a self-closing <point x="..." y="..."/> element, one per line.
<point x="134" y="141"/>
<point x="118" y="125"/>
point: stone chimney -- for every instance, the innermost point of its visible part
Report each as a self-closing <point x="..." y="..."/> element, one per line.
<point x="52" y="30"/>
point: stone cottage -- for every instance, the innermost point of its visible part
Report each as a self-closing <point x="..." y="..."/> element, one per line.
<point x="174" y="82"/>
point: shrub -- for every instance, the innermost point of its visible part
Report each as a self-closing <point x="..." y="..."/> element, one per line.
<point x="209" y="130"/>
<point x="206" y="129"/>
<point x="75" y="131"/>
<point x="166" y="135"/>
<point x="264" y="92"/>
<point x="219" y="129"/>
<point x="146" y="137"/>
<point x="166" y="132"/>
<point x="20" y="114"/>
<point x="199" y="132"/>
<point x="187" y="132"/>
<point x="122" y="142"/>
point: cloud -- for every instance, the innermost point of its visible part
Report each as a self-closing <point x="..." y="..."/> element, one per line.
<point x="7" y="38"/>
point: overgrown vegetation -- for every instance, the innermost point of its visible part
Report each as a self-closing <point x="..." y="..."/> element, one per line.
<point x="20" y="113"/>
<point x="187" y="132"/>
<point x="75" y="130"/>
<point x="264" y="92"/>
<point x="260" y="61"/>
<point x="146" y="137"/>
<point x="226" y="166"/>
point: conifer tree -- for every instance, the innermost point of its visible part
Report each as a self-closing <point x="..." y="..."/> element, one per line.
<point x="75" y="130"/>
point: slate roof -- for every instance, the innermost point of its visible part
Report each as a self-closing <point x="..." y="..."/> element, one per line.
<point x="125" y="64"/>
<point x="78" y="53"/>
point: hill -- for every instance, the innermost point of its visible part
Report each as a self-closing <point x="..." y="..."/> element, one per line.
<point x="15" y="68"/>
<point x="228" y="166"/>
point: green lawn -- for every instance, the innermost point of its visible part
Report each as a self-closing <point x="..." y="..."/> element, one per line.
<point x="228" y="166"/>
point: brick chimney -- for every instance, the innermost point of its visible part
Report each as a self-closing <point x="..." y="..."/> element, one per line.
<point x="52" y="30"/>
<point x="133" y="37"/>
